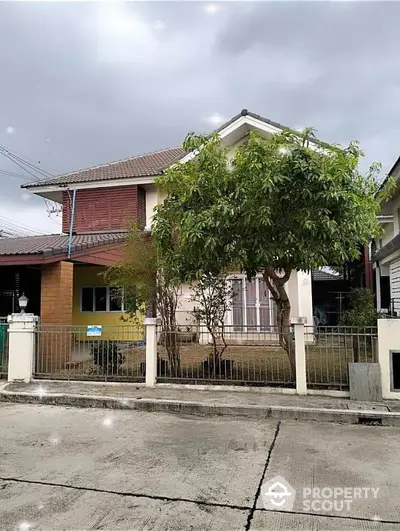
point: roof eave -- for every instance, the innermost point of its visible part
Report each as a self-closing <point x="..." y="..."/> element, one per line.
<point x="103" y="183"/>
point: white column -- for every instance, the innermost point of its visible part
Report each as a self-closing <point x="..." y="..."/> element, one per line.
<point x="21" y="346"/>
<point x="150" y="324"/>
<point x="300" y="352"/>
<point x="378" y="288"/>
<point x="388" y="341"/>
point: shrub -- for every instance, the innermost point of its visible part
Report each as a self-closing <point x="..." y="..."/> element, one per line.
<point x="107" y="355"/>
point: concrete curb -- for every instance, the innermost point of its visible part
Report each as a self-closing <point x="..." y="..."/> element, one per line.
<point x="197" y="408"/>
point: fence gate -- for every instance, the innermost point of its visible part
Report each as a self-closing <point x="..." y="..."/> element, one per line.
<point x="102" y="353"/>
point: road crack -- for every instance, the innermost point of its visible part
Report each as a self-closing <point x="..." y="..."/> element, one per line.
<point x="271" y="447"/>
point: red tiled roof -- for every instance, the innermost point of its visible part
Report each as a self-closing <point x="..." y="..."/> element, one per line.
<point x="51" y="244"/>
<point x="140" y="166"/>
<point x="147" y="165"/>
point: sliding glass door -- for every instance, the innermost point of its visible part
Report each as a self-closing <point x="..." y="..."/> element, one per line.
<point x="252" y="306"/>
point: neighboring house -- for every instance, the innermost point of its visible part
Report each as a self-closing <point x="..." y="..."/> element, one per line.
<point x="329" y="292"/>
<point x="386" y="251"/>
<point x="62" y="276"/>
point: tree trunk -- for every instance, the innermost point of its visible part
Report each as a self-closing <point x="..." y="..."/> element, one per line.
<point x="276" y="286"/>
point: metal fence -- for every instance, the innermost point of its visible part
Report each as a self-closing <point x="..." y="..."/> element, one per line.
<point x="329" y="349"/>
<point x="246" y="356"/>
<point x="3" y="346"/>
<point x="67" y="352"/>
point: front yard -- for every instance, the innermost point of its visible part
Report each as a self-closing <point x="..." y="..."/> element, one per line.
<point x="252" y="365"/>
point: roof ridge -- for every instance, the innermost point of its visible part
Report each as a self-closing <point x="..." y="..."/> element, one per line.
<point x="35" y="236"/>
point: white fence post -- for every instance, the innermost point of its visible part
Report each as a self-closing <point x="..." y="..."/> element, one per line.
<point x="300" y="352"/>
<point x="388" y="342"/>
<point x="151" y="351"/>
<point x="21" y="346"/>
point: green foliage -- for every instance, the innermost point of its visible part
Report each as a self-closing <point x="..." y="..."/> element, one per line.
<point x="107" y="355"/>
<point x="279" y="203"/>
<point x="150" y="287"/>
<point x="282" y="203"/>
<point x="212" y="296"/>
<point x="136" y="272"/>
<point x="361" y="311"/>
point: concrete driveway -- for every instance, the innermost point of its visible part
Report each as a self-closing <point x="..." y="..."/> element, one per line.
<point x="80" y="469"/>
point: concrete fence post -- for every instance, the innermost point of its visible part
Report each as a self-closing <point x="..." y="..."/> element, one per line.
<point x="388" y="345"/>
<point x="21" y="346"/>
<point x="151" y="351"/>
<point x="300" y="352"/>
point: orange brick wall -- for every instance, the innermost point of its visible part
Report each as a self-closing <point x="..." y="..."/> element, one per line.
<point x="56" y="293"/>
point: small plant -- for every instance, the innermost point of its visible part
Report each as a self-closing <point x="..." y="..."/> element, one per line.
<point x="361" y="314"/>
<point x="213" y="295"/>
<point x="107" y="355"/>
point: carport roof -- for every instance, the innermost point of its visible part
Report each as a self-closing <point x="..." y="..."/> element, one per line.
<point x="51" y="247"/>
<point x="49" y="244"/>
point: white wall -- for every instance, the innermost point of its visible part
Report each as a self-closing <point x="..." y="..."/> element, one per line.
<point x="388" y="340"/>
<point x="298" y="289"/>
<point x="151" y="202"/>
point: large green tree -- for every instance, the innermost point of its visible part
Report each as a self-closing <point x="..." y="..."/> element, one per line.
<point x="281" y="204"/>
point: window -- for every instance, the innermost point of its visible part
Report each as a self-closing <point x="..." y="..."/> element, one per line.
<point x="102" y="299"/>
<point x="252" y="305"/>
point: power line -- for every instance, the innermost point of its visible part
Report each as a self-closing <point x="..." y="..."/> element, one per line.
<point x="12" y="174"/>
<point x="10" y="152"/>
<point x="17" y="228"/>
<point x="33" y="160"/>
<point x="51" y="206"/>
<point x="22" y="167"/>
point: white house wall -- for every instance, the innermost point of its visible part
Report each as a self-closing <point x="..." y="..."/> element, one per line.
<point x="151" y="202"/>
<point x="298" y="289"/>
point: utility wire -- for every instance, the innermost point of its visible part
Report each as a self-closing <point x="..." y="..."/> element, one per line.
<point x="12" y="174"/>
<point x="11" y="153"/>
<point x="17" y="227"/>
<point x="51" y="206"/>
<point x="58" y="172"/>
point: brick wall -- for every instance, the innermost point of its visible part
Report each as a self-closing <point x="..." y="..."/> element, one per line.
<point x="55" y="342"/>
<point x="102" y="209"/>
<point x="56" y="293"/>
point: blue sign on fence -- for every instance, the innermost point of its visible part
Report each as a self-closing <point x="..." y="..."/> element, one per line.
<point x="94" y="330"/>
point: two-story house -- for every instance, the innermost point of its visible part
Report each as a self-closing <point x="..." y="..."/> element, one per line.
<point x="386" y="254"/>
<point x="60" y="273"/>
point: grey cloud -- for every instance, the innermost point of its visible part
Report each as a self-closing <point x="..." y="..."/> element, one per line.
<point x="84" y="84"/>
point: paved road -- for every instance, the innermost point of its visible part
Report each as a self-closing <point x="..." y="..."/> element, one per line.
<point x="79" y="469"/>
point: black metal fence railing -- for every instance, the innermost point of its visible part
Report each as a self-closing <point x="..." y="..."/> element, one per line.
<point x="3" y="346"/>
<point x="232" y="355"/>
<point x="193" y="354"/>
<point x="329" y="350"/>
<point x="104" y="353"/>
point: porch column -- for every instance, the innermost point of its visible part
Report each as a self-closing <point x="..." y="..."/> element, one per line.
<point x="378" y="288"/>
<point x="56" y="293"/>
<point x="55" y="309"/>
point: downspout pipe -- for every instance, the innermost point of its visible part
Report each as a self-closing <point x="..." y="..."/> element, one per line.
<point x="71" y="223"/>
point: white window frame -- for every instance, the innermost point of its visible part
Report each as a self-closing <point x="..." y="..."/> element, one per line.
<point x="107" y="310"/>
<point x="258" y="327"/>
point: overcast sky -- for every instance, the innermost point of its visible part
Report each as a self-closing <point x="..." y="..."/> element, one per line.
<point x="86" y="83"/>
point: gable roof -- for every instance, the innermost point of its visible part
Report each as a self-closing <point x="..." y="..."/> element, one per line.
<point x="148" y="164"/>
<point x="52" y="244"/>
<point x="245" y="112"/>
<point x="145" y="165"/>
